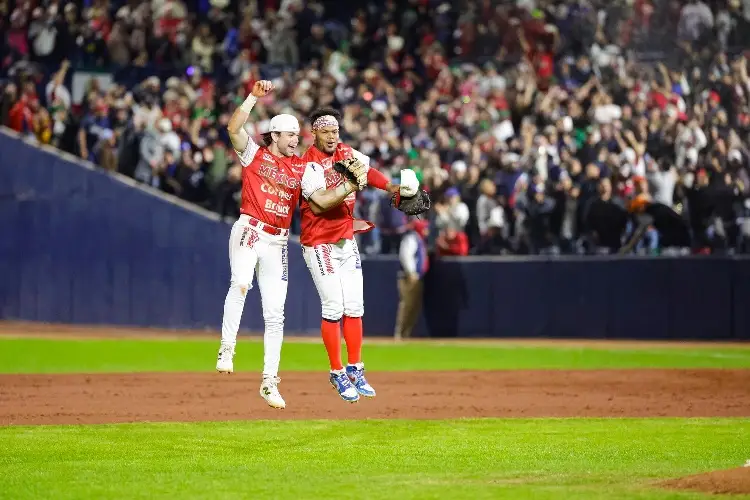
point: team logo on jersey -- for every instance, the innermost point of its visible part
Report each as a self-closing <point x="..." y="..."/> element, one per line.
<point x="268" y="157"/>
<point x="278" y="176"/>
<point x="272" y="190"/>
<point x="284" y="264"/>
<point x="276" y="208"/>
<point x="333" y="178"/>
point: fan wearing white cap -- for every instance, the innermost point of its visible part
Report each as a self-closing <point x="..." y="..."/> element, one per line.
<point x="273" y="179"/>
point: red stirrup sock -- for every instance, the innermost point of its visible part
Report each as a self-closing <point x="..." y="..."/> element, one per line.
<point x="331" y="333"/>
<point x="353" y="338"/>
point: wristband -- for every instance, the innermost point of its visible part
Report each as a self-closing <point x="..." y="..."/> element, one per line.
<point x="247" y="106"/>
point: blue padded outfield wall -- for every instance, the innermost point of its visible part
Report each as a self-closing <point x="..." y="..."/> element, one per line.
<point x="81" y="246"/>
<point x="78" y="245"/>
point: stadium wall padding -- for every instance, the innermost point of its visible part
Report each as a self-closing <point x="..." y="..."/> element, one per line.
<point x="81" y="246"/>
<point x="698" y="298"/>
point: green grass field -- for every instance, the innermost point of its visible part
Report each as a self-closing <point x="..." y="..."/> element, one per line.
<point x="373" y="459"/>
<point x="75" y="356"/>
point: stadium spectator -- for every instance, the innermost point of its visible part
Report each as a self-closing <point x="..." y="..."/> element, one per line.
<point x="486" y="207"/>
<point x="414" y="261"/>
<point x="571" y="110"/>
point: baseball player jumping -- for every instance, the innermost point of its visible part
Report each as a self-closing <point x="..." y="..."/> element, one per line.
<point x="273" y="179"/>
<point x="331" y="252"/>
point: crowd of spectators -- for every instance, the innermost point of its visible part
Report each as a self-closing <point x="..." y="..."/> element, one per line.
<point x="544" y="127"/>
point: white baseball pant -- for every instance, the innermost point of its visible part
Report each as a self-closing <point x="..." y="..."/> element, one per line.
<point x="336" y="270"/>
<point x="251" y="250"/>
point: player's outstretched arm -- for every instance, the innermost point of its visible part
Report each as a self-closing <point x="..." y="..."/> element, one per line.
<point x="408" y="187"/>
<point x="379" y="181"/>
<point x="376" y="179"/>
<point x="236" y="126"/>
<point x="315" y="192"/>
<point x="325" y="199"/>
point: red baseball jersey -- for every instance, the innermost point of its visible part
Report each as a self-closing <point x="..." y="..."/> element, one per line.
<point x="339" y="222"/>
<point x="271" y="185"/>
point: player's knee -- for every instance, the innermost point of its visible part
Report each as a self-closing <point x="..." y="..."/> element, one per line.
<point x="274" y="327"/>
<point x="273" y="318"/>
<point x="354" y="310"/>
<point x="333" y="311"/>
<point x="241" y="287"/>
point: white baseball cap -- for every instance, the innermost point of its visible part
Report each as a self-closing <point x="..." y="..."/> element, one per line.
<point x="284" y="123"/>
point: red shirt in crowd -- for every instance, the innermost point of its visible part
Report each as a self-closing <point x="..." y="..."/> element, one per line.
<point x="20" y="116"/>
<point x="453" y="243"/>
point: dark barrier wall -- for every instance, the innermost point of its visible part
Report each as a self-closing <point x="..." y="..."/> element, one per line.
<point x="665" y="298"/>
<point x="80" y="246"/>
<point x="680" y="298"/>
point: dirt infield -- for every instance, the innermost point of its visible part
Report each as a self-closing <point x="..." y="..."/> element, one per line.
<point x="105" y="398"/>
<point x="728" y="482"/>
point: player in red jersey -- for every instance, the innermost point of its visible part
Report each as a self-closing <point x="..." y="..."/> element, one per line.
<point x="332" y="256"/>
<point x="273" y="179"/>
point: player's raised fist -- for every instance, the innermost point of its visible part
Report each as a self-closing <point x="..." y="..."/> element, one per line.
<point x="262" y="88"/>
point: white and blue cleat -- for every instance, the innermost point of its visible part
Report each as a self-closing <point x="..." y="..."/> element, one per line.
<point x="340" y="381"/>
<point x="356" y="374"/>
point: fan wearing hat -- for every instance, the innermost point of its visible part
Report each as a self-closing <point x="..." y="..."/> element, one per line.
<point x="412" y="254"/>
<point x="273" y="179"/>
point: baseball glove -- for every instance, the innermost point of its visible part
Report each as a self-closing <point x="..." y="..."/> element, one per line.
<point x="354" y="170"/>
<point x="413" y="205"/>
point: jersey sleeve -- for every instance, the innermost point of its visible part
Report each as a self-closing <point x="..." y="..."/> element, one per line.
<point x="248" y="154"/>
<point x="361" y="157"/>
<point x="313" y="179"/>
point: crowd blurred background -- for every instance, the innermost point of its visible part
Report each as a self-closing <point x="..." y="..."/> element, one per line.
<point x="538" y="126"/>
